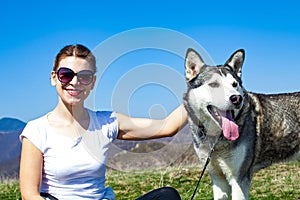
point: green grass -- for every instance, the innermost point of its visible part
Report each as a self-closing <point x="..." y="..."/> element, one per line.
<point x="9" y="190"/>
<point x="281" y="181"/>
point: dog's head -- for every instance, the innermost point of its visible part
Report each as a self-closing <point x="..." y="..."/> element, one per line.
<point x="215" y="93"/>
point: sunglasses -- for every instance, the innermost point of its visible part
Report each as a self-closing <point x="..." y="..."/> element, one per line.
<point x="65" y="75"/>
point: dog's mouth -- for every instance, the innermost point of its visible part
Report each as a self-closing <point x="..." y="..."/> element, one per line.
<point x="225" y="119"/>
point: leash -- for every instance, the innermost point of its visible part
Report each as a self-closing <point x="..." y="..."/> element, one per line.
<point x="204" y="168"/>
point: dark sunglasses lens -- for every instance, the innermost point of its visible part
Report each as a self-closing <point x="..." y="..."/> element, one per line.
<point x="85" y="77"/>
<point x="65" y="75"/>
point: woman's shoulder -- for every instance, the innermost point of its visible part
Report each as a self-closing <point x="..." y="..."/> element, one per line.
<point x="39" y="121"/>
<point x="35" y="131"/>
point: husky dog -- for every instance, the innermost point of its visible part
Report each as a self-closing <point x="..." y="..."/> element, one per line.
<point x="251" y="131"/>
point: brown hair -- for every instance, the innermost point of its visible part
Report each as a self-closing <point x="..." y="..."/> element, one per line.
<point x="77" y="50"/>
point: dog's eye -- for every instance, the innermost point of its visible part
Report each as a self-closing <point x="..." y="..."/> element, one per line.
<point x="214" y="84"/>
<point x="234" y="84"/>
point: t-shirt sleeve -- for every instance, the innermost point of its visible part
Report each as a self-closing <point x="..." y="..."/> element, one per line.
<point x="33" y="134"/>
<point x="109" y="123"/>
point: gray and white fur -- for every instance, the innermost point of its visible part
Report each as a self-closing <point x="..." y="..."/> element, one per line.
<point x="268" y="125"/>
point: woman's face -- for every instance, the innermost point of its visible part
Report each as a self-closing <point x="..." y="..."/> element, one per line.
<point x="73" y="93"/>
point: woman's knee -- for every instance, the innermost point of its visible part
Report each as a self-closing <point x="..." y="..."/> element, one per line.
<point x="164" y="193"/>
<point x="170" y="192"/>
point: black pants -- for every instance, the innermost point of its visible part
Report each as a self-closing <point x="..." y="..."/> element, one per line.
<point x="47" y="196"/>
<point x="165" y="193"/>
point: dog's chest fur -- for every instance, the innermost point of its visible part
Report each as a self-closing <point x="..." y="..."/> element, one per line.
<point x="225" y="159"/>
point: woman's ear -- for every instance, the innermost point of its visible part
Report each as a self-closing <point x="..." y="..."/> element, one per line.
<point x="53" y="78"/>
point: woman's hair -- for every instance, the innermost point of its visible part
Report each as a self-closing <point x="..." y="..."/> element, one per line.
<point x="77" y="50"/>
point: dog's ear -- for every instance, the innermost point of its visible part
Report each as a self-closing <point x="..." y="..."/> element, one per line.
<point x="236" y="61"/>
<point x="193" y="64"/>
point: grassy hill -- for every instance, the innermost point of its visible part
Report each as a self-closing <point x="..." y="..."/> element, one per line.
<point x="281" y="181"/>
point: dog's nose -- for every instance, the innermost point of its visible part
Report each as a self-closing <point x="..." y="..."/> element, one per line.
<point x="236" y="100"/>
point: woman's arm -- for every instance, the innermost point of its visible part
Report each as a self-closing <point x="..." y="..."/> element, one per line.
<point x="143" y="128"/>
<point x="30" y="171"/>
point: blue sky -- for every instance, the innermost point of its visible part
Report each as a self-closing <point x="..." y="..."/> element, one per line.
<point x="32" y="32"/>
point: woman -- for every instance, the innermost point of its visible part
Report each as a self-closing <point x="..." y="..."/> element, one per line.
<point x="55" y="161"/>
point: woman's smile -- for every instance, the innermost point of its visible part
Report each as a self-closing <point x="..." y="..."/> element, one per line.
<point x="74" y="92"/>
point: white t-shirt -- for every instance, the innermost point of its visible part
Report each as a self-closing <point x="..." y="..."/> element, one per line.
<point x="74" y="168"/>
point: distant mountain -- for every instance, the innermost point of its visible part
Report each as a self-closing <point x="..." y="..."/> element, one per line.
<point x="10" y="146"/>
<point x="11" y="124"/>
<point x="158" y="153"/>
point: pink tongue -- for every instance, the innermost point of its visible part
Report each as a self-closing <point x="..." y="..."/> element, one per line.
<point x="230" y="129"/>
